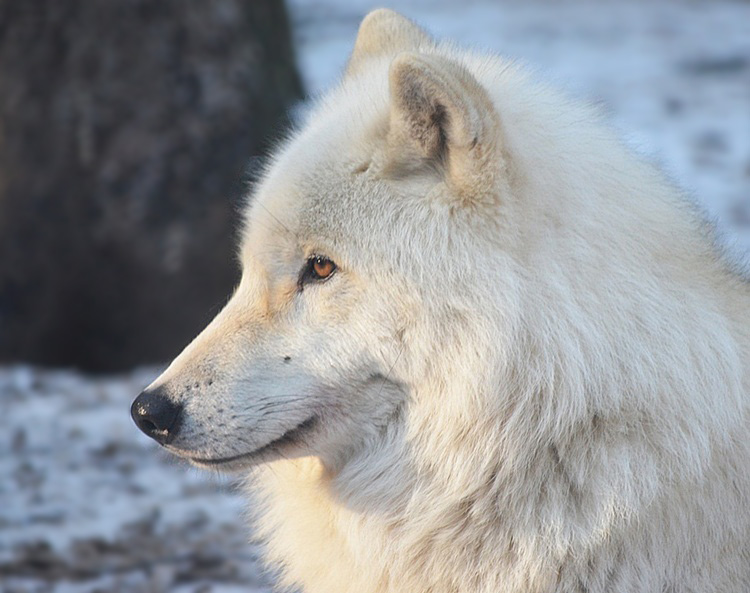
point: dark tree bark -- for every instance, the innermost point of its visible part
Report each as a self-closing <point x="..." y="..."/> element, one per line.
<point x="124" y="129"/>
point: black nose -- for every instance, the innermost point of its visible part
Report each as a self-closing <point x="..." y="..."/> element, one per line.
<point x="156" y="415"/>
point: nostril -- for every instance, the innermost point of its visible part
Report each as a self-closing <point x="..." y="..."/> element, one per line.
<point x="156" y="415"/>
<point x="147" y="426"/>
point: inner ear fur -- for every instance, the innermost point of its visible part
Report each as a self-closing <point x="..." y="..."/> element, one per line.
<point x="385" y="32"/>
<point x="441" y="117"/>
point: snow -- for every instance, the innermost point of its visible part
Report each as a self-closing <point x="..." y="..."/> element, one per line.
<point x="87" y="503"/>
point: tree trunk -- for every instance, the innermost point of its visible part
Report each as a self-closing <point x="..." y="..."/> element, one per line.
<point x="125" y="126"/>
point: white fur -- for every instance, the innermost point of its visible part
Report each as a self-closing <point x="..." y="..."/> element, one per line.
<point x="530" y="370"/>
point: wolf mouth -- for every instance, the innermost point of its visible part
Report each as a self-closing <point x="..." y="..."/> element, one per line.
<point x="291" y="436"/>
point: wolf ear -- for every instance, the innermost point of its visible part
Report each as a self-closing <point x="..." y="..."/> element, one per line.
<point x="442" y="118"/>
<point x="385" y="32"/>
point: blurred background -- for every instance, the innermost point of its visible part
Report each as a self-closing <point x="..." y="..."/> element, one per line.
<point x="128" y="132"/>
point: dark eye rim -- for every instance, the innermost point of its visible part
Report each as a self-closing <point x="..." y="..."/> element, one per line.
<point x="308" y="273"/>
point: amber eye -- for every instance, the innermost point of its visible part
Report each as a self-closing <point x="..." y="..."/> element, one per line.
<point x="317" y="269"/>
<point x="323" y="267"/>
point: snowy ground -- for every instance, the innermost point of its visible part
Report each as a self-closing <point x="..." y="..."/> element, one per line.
<point x="89" y="504"/>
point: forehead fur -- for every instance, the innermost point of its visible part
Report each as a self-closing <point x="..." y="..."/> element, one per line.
<point x="325" y="189"/>
<point x="320" y="187"/>
<point x="328" y="174"/>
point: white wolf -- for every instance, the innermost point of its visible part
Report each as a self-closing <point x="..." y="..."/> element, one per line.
<point x="477" y="347"/>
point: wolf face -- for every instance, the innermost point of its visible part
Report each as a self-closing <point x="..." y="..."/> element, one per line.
<point x="357" y="220"/>
<point x="302" y="360"/>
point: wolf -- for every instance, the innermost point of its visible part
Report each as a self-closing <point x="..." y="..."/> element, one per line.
<point x="477" y="347"/>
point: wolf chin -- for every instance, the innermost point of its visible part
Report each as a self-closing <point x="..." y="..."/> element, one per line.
<point x="477" y="347"/>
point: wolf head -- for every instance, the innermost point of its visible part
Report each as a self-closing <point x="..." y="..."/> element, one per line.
<point x="445" y="251"/>
<point x="351" y="241"/>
